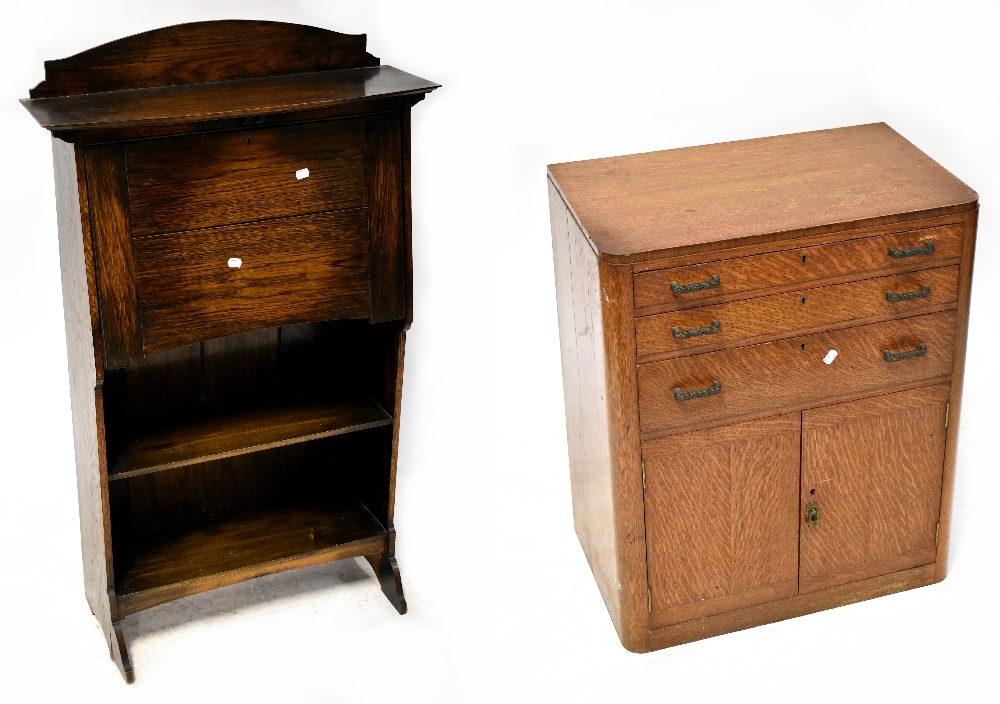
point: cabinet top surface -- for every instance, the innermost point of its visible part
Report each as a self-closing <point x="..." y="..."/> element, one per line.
<point x="633" y="207"/>
<point x="236" y="98"/>
<point x="212" y="70"/>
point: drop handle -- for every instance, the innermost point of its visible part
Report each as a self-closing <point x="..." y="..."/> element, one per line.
<point x="715" y="327"/>
<point x="713" y="282"/>
<point x="927" y="248"/>
<point x="893" y="297"/>
<point x="715" y="388"/>
<point x="908" y="354"/>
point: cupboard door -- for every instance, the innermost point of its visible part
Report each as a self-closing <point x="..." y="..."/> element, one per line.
<point x="721" y="527"/>
<point x="871" y="472"/>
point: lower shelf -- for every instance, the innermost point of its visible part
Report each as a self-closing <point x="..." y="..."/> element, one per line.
<point x="167" y="565"/>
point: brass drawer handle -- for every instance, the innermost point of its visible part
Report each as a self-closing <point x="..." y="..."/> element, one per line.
<point x="715" y="327"/>
<point x="928" y="248"/>
<point x="715" y="388"/>
<point x="909" y="354"/>
<point x="696" y="286"/>
<point x="894" y="297"/>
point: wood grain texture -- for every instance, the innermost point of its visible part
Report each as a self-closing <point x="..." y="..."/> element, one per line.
<point x="637" y="207"/>
<point x="208" y="180"/>
<point x="407" y="205"/>
<point x="384" y="174"/>
<point x="244" y="545"/>
<point x="779" y="376"/>
<point x="597" y="347"/>
<point x="78" y="288"/>
<point x="241" y="371"/>
<point x="244" y="98"/>
<point x="721" y="525"/>
<point x="584" y="389"/>
<point x="779" y="242"/>
<point x="802" y="311"/>
<point x="955" y="399"/>
<point x="116" y="276"/>
<point x="874" y="468"/>
<point x="792" y="607"/>
<point x="849" y="259"/>
<point x="203" y="52"/>
<point x="293" y="270"/>
<point x="244" y="432"/>
<point x="618" y="336"/>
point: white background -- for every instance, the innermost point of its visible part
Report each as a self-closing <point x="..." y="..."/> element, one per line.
<point x="502" y="604"/>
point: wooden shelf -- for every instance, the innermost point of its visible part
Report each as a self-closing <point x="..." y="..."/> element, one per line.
<point x="241" y="433"/>
<point x="221" y="99"/>
<point x="167" y="564"/>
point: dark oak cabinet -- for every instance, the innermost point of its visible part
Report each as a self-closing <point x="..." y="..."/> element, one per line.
<point x="234" y="228"/>
<point x="762" y="345"/>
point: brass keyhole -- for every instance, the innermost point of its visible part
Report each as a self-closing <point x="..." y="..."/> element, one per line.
<point x="803" y="258"/>
<point x="249" y="141"/>
<point x="812" y="514"/>
<point x="803" y="301"/>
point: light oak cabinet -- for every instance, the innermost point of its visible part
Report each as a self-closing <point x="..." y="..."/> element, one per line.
<point x="762" y="348"/>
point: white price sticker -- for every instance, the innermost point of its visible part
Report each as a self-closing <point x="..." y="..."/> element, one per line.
<point x="830" y="356"/>
<point x="235" y="262"/>
<point x="301" y="174"/>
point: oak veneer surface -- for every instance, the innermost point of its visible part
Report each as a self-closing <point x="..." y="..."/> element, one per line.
<point x="634" y="207"/>
<point x="721" y="518"/>
<point x="167" y="557"/>
<point x="728" y="324"/>
<point x="244" y="432"/>
<point x="292" y="270"/>
<point x="791" y="373"/>
<point x="853" y="258"/>
<point x="874" y="468"/>
<point x="211" y="101"/>
<point x="203" y="52"/>
<point x="207" y="180"/>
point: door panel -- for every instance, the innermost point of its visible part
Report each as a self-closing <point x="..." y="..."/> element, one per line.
<point x="720" y="518"/>
<point x="873" y="468"/>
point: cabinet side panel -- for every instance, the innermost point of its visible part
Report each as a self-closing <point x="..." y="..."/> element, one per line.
<point x="384" y="174"/>
<point x="622" y="403"/>
<point x="584" y="390"/>
<point x="955" y="399"/>
<point x="91" y="484"/>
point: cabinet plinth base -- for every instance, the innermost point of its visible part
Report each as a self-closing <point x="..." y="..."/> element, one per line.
<point x="783" y="609"/>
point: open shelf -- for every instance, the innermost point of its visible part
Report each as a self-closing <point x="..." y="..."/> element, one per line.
<point x="228" y="550"/>
<point x="241" y="433"/>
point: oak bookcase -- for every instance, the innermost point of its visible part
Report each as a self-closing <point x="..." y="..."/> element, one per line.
<point x="234" y="232"/>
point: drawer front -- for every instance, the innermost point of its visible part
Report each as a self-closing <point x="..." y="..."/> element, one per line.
<point x="791" y="374"/>
<point x="678" y="332"/>
<point x="296" y="270"/>
<point x="687" y="286"/>
<point x="208" y="180"/>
